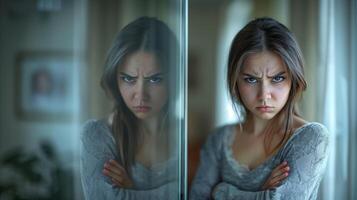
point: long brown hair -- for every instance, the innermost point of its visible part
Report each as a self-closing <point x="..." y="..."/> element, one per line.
<point x="144" y="34"/>
<point x="267" y="34"/>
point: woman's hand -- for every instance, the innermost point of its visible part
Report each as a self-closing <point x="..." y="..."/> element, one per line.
<point x="280" y="173"/>
<point x="117" y="174"/>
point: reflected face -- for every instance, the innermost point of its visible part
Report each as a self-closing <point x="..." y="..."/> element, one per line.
<point x="142" y="85"/>
<point x="264" y="84"/>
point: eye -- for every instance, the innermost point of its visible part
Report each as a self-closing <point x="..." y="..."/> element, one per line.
<point x="278" y="79"/>
<point x="155" y="79"/>
<point x="250" y="80"/>
<point x="128" y="79"/>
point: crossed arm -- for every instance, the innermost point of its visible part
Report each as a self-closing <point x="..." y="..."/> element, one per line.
<point x="102" y="182"/>
<point x="306" y="158"/>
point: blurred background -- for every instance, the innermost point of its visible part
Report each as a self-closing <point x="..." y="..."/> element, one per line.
<point x="42" y="108"/>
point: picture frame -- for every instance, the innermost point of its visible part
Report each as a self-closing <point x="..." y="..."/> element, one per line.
<point x="44" y="85"/>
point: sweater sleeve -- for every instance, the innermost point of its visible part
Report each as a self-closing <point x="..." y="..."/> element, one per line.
<point x="208" y="172"/>
<point x="306" y="155"/>
<point x="97" y="147"/>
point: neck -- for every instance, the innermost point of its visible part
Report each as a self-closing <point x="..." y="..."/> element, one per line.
<point x="255" y="126"/>
<point x="150" y="127"/>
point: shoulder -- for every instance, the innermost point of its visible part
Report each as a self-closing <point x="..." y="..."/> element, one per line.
<point x="91" y="127"/>
<point x="310" y="138"/>
<point x="220" y="133"/>
<point x="312" y="131"/>
<point x="95" y="130"/>
<point x="91" y="124"/>
<point x="218" y="137"/>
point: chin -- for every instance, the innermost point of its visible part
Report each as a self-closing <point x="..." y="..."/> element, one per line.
<point x="142" y="115"/>
<point x="266" y="116"/>
<point x="145" y="116"/>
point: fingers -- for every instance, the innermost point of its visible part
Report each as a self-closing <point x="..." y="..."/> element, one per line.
<point x="115" y="163"/>
<point x="114" y="167"/>
<point x="279" y="167"/>
<point x="112" y="170"/>
<point x="282" y="168"/>
<point x="279" y="173"/>
<point x="273" y="185"/>
<point x="112" y="175"/>
<point x="117" y="183"/>
<point x="117" y="174"/>
<point x="277" y="179"/>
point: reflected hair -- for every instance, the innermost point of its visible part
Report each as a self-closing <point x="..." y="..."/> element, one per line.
<point x="144" y="34"/>
<point x="267" y="34"/>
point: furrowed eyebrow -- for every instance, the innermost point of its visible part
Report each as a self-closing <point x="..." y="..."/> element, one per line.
<point x="154" y="75"/>
<point x="124" y="74"/>
<point x="278" y="74"/>
<point x="251" y="75"/>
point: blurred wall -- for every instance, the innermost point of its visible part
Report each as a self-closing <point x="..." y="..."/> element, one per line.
<point x="204" y="21"/>
<point x="305" y="27"/>
<point x="26" y="28"/>
<point x="23" y="28"/>
<point x="204" y="18"/>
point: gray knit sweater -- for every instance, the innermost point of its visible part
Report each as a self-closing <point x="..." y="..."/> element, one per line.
<point x="306" y="152"/>
<point x="98" y="146"/>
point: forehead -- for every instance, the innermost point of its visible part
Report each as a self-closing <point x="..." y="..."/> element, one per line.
<point x="265" y="62"/>
<point x="140" y="62"/>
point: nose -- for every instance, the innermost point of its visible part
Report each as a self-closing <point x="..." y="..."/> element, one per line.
<point x="265" y="92"/>
<point x="140" y="92"/>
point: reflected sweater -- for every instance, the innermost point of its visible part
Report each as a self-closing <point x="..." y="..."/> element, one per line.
<point x="98" y="146"/>
<point x="306" y="152"/>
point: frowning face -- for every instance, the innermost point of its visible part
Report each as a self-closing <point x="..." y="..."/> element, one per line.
<point x="143" y="85"/>
<point x="264" y="84"/>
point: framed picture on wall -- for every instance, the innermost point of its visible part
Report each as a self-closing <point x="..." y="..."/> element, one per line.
<point x="44" y="85"/>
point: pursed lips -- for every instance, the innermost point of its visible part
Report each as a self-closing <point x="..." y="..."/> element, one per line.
<point x="142" y="108"/>
<point x="265" y="108"/>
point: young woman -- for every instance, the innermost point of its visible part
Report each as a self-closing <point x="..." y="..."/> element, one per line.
<point x="273" y="153"/>
<point x="131" y="154"/>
